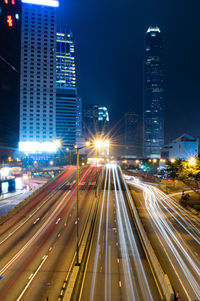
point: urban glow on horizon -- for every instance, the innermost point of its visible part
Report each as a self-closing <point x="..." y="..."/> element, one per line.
<point x="52" y="3"/>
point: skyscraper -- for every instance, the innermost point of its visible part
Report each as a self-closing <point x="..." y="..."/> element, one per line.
<point x="153" y="94"/>
<point x="90" y="120"/>
<point x="66" y="92"/>
<point x="132" y="135"/>
<point x="65" y="60"/>
<point x="79" y="117"/>
<point x="38" y="77"/>
<point x="103" y="121"/>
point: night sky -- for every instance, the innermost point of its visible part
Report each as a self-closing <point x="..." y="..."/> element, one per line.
<point x="109" y="39"/>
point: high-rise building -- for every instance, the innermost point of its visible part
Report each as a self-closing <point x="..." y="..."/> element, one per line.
<point x="103" y="121"/>
<point x="79" y="117"/>
<point x="153" y="94"/>
<point x="132" y="135"/>
<point x="10" y="36"/>
<point x="65" y="60"/>
<point x="90" y="120"/>
<point x="38" y="77"/>
<point x="66" y="92"/>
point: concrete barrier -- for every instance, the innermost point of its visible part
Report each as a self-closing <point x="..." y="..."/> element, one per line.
<point x="161" y="277"/>
<point x="76" y="275"/>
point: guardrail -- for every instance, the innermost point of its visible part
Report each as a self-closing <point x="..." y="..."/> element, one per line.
<point x="161" y="277"/>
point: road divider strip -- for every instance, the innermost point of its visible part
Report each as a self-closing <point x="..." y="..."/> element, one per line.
<point x="74" y="282"/>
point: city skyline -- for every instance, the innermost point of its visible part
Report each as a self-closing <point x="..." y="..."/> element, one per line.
<point x="99" y="150"/>
<point x="181" y="57"/>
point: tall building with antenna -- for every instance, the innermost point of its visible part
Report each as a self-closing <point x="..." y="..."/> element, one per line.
<point x="153" y="94"/>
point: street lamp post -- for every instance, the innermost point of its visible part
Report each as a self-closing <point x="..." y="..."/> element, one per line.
<point x="97" y="144"/>
<point x="77" y="198"/>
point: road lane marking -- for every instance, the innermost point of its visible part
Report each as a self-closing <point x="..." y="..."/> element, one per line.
<point x="33" y="276"/>
<point x="120" y="284"/>
<point x="117" y="260"/>
<point x="35" y="222"/>
<point x="29" y="217"/>
<point x="41" y="229"/>
<point x="30" y="276"/>
<point x="57" y="221"/>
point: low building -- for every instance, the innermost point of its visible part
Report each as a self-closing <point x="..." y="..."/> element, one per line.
<point x="183" y="147"/>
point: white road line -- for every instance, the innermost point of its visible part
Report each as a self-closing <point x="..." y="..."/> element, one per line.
<point x="33" y="276"/>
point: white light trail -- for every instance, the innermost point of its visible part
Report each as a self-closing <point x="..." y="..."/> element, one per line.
<point x="128" y="244"/>
<point x="171" y="219"/>
<point x="98" y="243"/>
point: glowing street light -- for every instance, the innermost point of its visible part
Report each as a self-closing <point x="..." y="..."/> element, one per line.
<point x="192" y="161"/>
<point x="173" y="160"/>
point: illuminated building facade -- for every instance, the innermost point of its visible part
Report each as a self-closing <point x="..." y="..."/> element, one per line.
<point x="38" y="76"/>
<point x="132" y="135"/>
<point x="65" y="60"/>
<point x="153" y="94"/>
<point x="10" y="36"/>
<point x="66" y="92"/>
<point x="103" y="121"/>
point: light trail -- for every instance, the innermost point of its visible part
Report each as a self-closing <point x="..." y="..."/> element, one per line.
<point x="98" y="242"/>
<point x="173" y="223"/>
<point x="130" y="248"/>
<point x="52" y="221"/>
<point x="107" y="257"/>
<point x="44" y="227"/>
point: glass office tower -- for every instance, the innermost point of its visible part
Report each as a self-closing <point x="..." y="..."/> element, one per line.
<point x="66" y="92"/>
<point x="132" y="135"/>
<point x="153" y="94"/>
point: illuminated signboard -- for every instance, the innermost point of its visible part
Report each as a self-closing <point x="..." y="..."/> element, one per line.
<point x="11" y="11"/>
<point x="37" y="147"/>
<point x="10" y="21"/>
<point x="52" y="3"/>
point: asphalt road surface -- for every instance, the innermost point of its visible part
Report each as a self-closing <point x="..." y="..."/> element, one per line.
<point x="117" y="268"/>
<point x="38" y="244"/>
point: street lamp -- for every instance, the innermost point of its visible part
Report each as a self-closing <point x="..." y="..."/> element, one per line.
<point x="87" y="144"/>
<point x="98" y="144"/>
<point x="192" y="161"/>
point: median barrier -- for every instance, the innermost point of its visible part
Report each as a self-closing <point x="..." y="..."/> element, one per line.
<point x="161" y="277"/>
<point x="75" y="280"/>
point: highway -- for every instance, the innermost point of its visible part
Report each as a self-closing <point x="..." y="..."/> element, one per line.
<point x="117" y="268"/>
<point x="175" y="235"/>
<point x="38" y="244"/>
